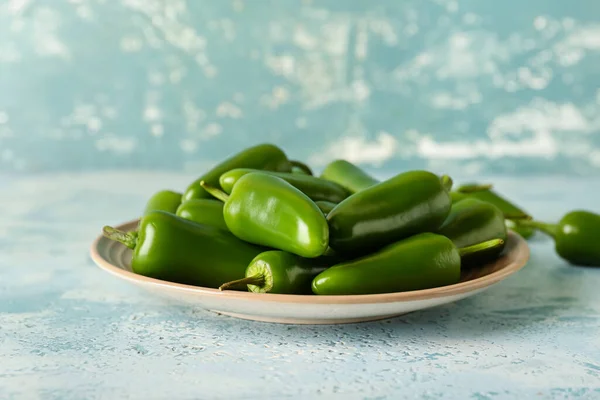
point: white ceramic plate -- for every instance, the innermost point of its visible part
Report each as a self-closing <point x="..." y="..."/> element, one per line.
<point x="115" y="258"/>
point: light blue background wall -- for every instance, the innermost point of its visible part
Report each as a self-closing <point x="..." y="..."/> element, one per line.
<point x="478" y="86"/>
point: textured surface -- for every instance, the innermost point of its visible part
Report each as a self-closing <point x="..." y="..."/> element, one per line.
<point x="69" y="330"/>
<point x="484" y="86"/>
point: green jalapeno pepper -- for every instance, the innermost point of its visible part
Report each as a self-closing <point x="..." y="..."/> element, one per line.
<point x="266" y="210"/>
<point x="509" y="209"/>
<point x="457" y="196"/>
<point x="473" y="221"/>
<point x="174" y="249"/>
<point x="300" y="168"/>
<point x="165" y="200"/>
<point x="264" y="156"/>
<point x="203" y="211"/>
<point x="474" y="187"/>
<point x="348" y="175"/>
<point x="525" y="231"/>
<point x="465" y="190"/>
<point x="423" y="261"/>
<point x="315" y="188"/>
<point x="299" y="171"/>
<point x="409" y="203"/>
<point x="576" y="236"/>
<point x="281" y="272"/>
<point x="325" y="206"/>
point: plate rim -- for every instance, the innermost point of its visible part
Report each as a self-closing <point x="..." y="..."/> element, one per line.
<point x="520" y="254"/>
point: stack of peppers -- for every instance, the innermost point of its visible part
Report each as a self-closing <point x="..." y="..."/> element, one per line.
<point x="262" y="222"/>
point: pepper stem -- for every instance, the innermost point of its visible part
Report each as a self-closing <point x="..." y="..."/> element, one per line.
<point x="218" y="193"/>
<point x="129" y="239"/>
<point x="447" y="182"/>
<point x="490" y="244"/>
<point x="474" y="188"/>
<point x="549" y="229"/>
<point x="302" y="166"/>
<point x="257" y="280"/>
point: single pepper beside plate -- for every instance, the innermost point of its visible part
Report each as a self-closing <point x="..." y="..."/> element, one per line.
<point x="473" y="221"/>
<point x="422" y="261"/>
<point x="409" y="203"/>
<point x="266" y="210"/>
<point x="281" y="272"/>
<point x="348" y="175"/>
<point x="174" y="249"/>
<point x="315" y="188"/>
<point x="203" y="211"/>
<point x="165" y="200"/>
<point x="576" y="236"/>
<point x="263" y="156"/>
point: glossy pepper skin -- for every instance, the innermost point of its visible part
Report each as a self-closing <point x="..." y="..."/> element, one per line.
<point x="457" y="196"/>
<point x="525" y="231"/>
<point x="509" y="209"/>
<point x="325" y="206"/>
<point x="348" y="175"/>
<point x="174" y="249"/>
<point x="315" y="188"/>
<point x="409" y="203"/>
<point x="165" y="200"/>
<point x="263" y="156"/>
<point x="266" y="210"/>
<point x="576" y="237"/>
<point x="473" y="221"/>
<point x="281" y="272"/>
<point x="299" y="167"/>
<point x="203" y="211"/>
<point x="422" y="261"/>
<point x="299" y="171"/>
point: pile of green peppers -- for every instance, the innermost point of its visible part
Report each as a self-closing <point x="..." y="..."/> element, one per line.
<point x="262" y="222"/>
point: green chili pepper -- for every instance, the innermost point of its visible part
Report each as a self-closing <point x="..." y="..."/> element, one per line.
<point x="165" y="200"/>
<point x="299" y="171"/>
<point x="300" y="168"/>
<point x="203" y="211"/>
<point x="281" y="272"/>
<point x="525" y="231"/>
<point x="576" y="236"/>
<point x="464" y="191"/>
<point x="264" y="156"/>
<point x="266" y="210"/>
<point x="510" y="210"/>
<point x="325" y="206"/>
<point x="407" y="204"/>
<point x="174" y="249"/>
<point x="422" y="261"/>
<point x="348" y="175"/>
<point x="315" y="188"/>
<point x="457" y="196"/>
<point x="474" y="187"/>
<point x="473" y="221"/>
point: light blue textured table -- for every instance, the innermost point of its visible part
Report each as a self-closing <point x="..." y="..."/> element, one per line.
<point x="68" y="330"/>
<point x="463" y="87"/>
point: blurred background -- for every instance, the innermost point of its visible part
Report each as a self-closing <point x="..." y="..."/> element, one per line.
<point x="464" y="86"/>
